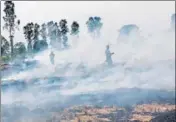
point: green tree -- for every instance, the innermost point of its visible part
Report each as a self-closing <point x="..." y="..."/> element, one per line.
<point x="43" y="32"/>
<point x="9" y="19"/>
<point x="74" y="28"/>
<point x="64" y="30"/>
<point x="20" y="49"/>
<point x="36" y="32"/>
<point x="54" y="34"/>
<point x="5" y="46"/>
<point x="29" y="35"/>
<point x="40" y="45"/>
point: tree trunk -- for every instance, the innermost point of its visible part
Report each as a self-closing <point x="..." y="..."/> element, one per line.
<point x="11" y="41"/>
<point x="11" y="45"/>
<point x="65" y="40"/>
<point x="29" y="46"/>
<point x="1" y="48"/>
<point x="59" y="40"/>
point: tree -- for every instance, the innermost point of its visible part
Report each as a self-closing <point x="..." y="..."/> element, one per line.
<point x="43" y="32"/>
<point x="58" y="37"/>
<point x="36" y="32"/>
<point x="9" y="19"/>
<point x="32" y="32"/>
<point x="40" y="45"/>
<point x="19" y="49"/>
<point x="4" y="46"/>
<point x="98" y="25"/>
<point x="74" y="28"/>
<point x="52" y="26"/>
<point x="64" y="30"/>
<point x="94" y="26"/>
<point x="54" y="34"/>
<point x="74" y="32"/>
<point x="127" y="30"/>
<point x="29" y="34"/>
<point x="90" y="25"/>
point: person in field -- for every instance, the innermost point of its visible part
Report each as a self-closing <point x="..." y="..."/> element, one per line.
<point x="108" y="56"/>
<point x="52" y="55"/>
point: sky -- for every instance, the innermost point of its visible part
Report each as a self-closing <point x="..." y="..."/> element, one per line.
<point x="145" y="14"/>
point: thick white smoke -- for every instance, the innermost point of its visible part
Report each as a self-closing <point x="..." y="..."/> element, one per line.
<point x="145" y="62"/>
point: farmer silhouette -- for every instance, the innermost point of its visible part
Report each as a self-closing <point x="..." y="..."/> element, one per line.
<point x="52" y="55"/>
<point x="108" y="56"/>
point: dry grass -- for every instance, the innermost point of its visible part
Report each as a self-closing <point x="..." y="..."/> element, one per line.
<point x="153" y="108"/>
<point x="142" y="113"/>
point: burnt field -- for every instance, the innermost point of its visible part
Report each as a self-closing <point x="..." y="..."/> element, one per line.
<point x="36" y="99"/>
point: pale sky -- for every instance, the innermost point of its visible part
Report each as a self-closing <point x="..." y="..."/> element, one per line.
<point x="145" y="14"/>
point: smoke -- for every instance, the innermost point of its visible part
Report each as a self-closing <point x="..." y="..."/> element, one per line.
<point x="145" y="62"/>
<point x="139" y="62"/>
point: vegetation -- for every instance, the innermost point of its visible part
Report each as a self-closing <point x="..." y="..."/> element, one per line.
<point x="9" y="19"/>
<point x="94" y="26"/>
<point x="5" y="59"/>
<point x="20" y="49"/>
<point x="29" y="35"/>
<point x="74" y="28"/>
<point x="4" y="46"/>
<point x="37" y="36"/>
<point x="64" y="30"/>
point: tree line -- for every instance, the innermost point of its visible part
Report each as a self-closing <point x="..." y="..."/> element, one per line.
<point x="39" y="37"/>
<point x="54" y="34"/>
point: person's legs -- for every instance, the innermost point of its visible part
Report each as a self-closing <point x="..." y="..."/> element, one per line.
<point x="110" y="62"/>
<point x="52" y="60"/>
